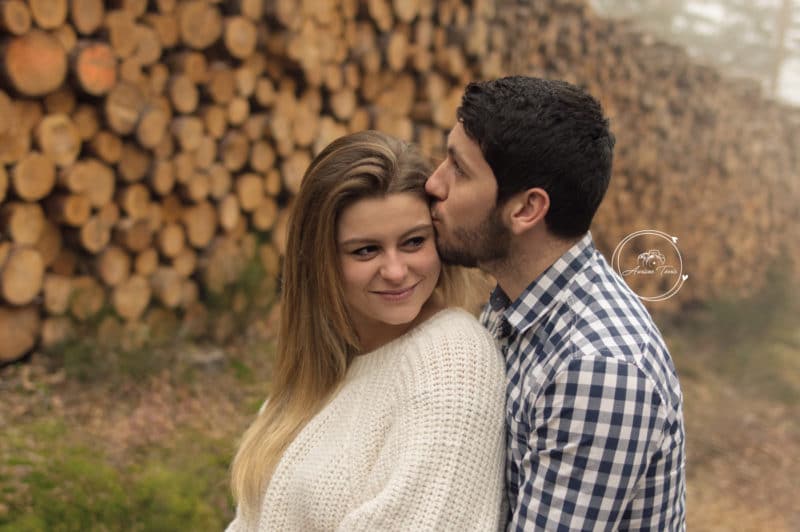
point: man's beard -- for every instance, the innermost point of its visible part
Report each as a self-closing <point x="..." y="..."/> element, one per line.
<point x="488" y="242"/>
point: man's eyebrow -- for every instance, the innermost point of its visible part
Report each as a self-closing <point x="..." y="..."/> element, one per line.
<point x="360" y="240"/>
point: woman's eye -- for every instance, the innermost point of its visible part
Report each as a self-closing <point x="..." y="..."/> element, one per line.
<point x="415" y="242"/>
<point x="366" y="251"/>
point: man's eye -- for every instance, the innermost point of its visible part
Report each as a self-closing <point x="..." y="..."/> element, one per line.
<point x="457" y="169"/>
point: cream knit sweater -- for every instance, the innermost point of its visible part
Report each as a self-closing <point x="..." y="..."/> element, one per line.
<point x="413" y="440"/>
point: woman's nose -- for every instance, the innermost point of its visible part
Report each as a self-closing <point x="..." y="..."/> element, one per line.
<point x="394" y="269"/>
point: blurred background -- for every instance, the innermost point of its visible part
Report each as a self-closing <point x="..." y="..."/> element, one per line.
<point x="149" y="152"/>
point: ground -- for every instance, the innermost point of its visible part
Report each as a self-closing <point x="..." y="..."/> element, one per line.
<point x="146" y="446"/>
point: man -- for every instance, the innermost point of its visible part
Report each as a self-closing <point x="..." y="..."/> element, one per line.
<point x="595" y="437"/>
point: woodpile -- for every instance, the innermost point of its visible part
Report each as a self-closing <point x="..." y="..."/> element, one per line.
<point x="149" y="150"/>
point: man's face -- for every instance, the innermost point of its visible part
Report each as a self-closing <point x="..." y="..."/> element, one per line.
<point x="469" y="229"/>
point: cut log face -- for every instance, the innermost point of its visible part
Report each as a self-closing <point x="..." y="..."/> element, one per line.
<point x="95" y="68"/>
<point x="21" y="275"/>
<point x="19" y="329"/>
<point x="15" y="17"/>
<point x="200" y="24"/>
<point x="58" y="138"/>
<point x="48" y="14"/>
<point x="35" y="63"/>
<point x="87" y="15"/>
<point x="33" y="177"/>
<point x="131" y="297"/>
<point x="124" y="105"/>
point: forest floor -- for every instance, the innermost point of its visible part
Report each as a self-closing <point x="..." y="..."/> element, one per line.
<point x="146" y="445"/>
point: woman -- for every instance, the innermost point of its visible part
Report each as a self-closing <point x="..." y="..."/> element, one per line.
<point x="386" y="409"/>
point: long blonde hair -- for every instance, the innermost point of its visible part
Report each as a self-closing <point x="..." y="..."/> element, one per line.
<point x="316" y="338"/>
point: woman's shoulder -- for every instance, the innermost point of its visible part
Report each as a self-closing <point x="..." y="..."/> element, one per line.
<point x="453" y="335"/>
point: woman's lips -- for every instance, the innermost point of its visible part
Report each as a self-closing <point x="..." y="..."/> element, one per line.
<point x="396" y="295"/>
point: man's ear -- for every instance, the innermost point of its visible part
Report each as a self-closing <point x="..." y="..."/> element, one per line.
<point x="526" y="209"/>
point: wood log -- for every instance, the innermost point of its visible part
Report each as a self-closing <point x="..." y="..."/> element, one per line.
<point x="197" y="188"/>
<point x="167" y="286"/>
<point x="265" y="214"/>
<point x="293" y="168"/>
<point x="250" y="191"/>
<point x="183" y="93"/>
<point x="113" y="265"/>
<point x="200" y="24"/>
<point x="134" y="200"/>
<point x="35" y="63"/>
<point x="21" y="275"/>
<point x="48" y="14"/>
<point x="69" y="209"/>
<point x="134" y="163"/>
<point x="58" y="139"/>
<point x="184" y="166"/>
<point x="270" y="259"/>
<point x="121" y="27"/>
<point x="229" y="212"/>
<point x="215" y="119"/>
<point x="206" y="153"/>
<point x="86" y="121"/>
<point x="67" y="37"/>
<point x="262" y="156"/>
<point x="166" y="28"/>
<point x="65" y="263"/>
<point x="61" y="101"/>
<point x="246" y="78"/>
<point x="15" y="17"/>
<point x="7" y="114"/>
<point x="201" y="224"/>
<point x="162" y="178"/>
<point x="148" y="45"/>
<point x="55" y="331"/>
<point x="265" y="92"/>
<point x="50" y="243"/>
<point x="134" y="234"/>
<point x="220" y="181"/>
<point x="23" y="222"/>
<point x="238" y="110"/>
<point x="193" y="65"/>
<point x="57" y="290"/>
<point x="146" y="262"/>
<point x="234" y="150"/>
<point x="106" y="146"/>
<point x="87" y="15"/>
<point x="87" y="299"/>
<point x="151" y="127"/>
<point x="131" y="297"/>
<point x="123" y="106"/>
<point x="171" y="239"/>
<point x="240" y="36"/>
<point x="273" y="182"/>
<point x="188" y="130"/>
<point x="221" y="85"/>
<point x="185" y="263"/>
<point x="94" y="235"/>
<point x="19" y="329"/>
<point x="33" y="177"/>
<point x="91" y="178"/>
<point x="256" y="126"/>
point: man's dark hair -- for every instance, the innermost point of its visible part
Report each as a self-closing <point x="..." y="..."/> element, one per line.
<point x="543" y="133"/>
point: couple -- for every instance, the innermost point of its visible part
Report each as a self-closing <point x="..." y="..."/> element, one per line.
<point x="391" y="409"/>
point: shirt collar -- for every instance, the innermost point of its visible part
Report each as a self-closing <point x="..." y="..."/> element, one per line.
<point x="542" y="294"/>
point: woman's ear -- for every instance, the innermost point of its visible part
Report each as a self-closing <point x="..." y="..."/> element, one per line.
<point x="526" y="209"/>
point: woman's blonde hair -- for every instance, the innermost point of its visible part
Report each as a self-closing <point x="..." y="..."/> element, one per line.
<point x="316" y="338"/>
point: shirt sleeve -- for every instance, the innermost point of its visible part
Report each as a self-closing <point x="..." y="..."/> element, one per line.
<point x="441" y="464"/>
<point x="592" y="432"/>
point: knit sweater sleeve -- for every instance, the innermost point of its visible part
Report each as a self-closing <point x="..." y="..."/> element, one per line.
<point x="441" y="464"/>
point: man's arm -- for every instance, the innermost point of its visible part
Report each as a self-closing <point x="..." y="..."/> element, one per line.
<point x="593" y="430"/>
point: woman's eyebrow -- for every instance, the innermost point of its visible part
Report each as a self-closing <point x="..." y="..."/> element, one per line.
<point x="367" y="240"/>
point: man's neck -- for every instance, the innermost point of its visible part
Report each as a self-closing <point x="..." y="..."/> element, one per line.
<point x="527" y="259"/>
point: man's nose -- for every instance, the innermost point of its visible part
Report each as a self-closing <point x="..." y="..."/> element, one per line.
<point x="435" y="185"/>
<point x="394" y="268"/>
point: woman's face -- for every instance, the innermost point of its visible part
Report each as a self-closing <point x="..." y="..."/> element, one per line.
<point x="389" y="263"/>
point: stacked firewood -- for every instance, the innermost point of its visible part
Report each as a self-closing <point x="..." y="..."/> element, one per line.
<point x="149" y="150"/>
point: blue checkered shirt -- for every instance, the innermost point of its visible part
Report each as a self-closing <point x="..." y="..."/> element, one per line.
<point x="595" y="425"/>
